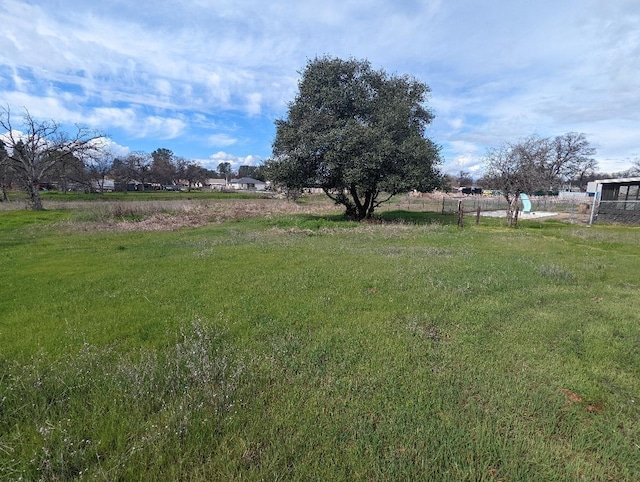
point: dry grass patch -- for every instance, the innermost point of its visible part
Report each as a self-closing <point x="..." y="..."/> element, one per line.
<point x="173" y="215"/>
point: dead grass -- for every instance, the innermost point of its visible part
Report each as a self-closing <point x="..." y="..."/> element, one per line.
<point x="173" y="215"/>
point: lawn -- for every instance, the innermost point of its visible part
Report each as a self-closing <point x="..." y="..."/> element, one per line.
<point x="295" y="345"/>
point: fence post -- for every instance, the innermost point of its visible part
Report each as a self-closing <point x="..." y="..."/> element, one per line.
<point x="442" y="204"/>
<point x="593" y="206"/>
<point x="478" y="216"/>
<point x="460" y="214"/>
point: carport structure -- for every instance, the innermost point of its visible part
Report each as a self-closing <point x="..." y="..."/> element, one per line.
<point x="617" y="200"/>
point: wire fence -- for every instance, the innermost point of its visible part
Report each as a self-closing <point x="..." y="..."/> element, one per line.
<point x="447" y="204"/>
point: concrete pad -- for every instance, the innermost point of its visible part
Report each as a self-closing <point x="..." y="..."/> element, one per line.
<point x="521" y="215"/>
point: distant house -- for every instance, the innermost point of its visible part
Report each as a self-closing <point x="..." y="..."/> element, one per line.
<point x="248" y="184"/>
<point x="217" y="184"/>
<point x="133" y="186"/>
<point x="105" y="185"/>
<point x="616" y="200"/>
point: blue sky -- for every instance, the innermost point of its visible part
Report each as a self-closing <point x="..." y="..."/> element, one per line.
<point x="207" y="78"/>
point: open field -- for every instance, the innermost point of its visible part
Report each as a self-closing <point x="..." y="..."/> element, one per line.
<point x="254" y="339"/>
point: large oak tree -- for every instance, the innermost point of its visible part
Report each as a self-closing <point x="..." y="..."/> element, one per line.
<point x="358" y="133"/>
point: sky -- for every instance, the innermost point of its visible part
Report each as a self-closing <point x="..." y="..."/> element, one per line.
<point x="208" y="78"/>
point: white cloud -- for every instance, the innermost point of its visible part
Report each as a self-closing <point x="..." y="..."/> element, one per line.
<point x="254" y="101"/>
<point x="137" y="124"/>
<point x="162" y="127"/>
<point x="463" y="156"/>
<point x="112" y="148"/>
<point x="456" y="123"/>
<point x="236" y="161"/>
<point x="222" y="140"/>
<point x="124" y="118"/>
<point x="41" y="107"/>
<point x="464" y="162"/>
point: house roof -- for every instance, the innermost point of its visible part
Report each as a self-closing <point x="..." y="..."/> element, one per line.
<point x="620" y="180"/>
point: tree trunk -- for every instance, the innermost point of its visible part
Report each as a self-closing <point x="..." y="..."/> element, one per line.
<point x="34" y="197"/>
<point x="512" y="217"/>
<point x="351" y="212"/>
<point x="512" y="211"/>
<point x="370" y="210"/>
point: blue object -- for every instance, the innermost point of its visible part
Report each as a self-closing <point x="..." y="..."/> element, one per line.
<point x="526" y="203"/>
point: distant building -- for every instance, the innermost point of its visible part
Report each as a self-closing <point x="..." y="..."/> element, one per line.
<point x="133" y="186"/>
<point x="217" y="184"/>
<point x="106" y="185"/>
<point x="248" y="184"/>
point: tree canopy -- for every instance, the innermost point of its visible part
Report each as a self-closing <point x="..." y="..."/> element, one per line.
<point x="357" y="133"/>
<point x="539" y="163"/>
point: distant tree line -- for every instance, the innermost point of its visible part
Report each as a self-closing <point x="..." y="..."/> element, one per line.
<point x="37" y="155"/>
<point x="162" y="168"/>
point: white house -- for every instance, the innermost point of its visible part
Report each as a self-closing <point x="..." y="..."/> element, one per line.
<point x="217" y="184"/>
<point x="104" y="185"/>
<point x="248" y="184"/>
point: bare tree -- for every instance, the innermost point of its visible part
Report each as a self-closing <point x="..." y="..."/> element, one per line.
<point x="39" y="147"/>
<point x="464" y="179"/>
<point x="137" y="166"/>
<point x="536" y="164"/>
<point x="571" y="157"/>
<point x="504" y="172"/>
<point x="194" y="173"/>
<point x="69" y="171"/>
<point x="164" y="166"/>
<point x="224" y="168"/>
<point x="5" y="172"/>
<point x="100" y="167"/>
<point x="634" y="170"/>
<point x="181" y="165"/>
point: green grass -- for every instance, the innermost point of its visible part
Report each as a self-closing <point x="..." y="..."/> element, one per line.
<point x="305" y="347"/>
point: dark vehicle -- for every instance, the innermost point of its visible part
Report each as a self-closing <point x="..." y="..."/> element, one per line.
<point x="471" y="190"/>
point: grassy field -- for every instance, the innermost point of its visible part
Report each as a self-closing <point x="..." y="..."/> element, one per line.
<point x="260" y="340"/>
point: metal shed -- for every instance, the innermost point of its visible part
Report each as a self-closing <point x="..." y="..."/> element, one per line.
<point x="616" y="200"/>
